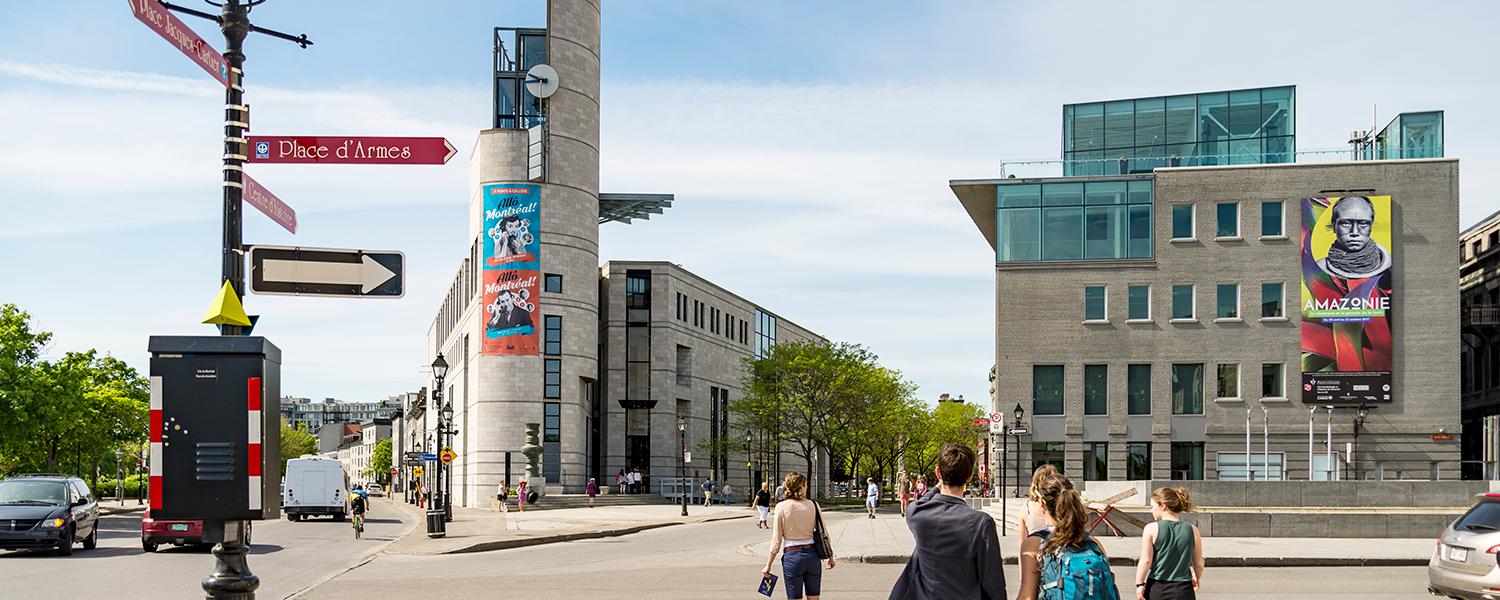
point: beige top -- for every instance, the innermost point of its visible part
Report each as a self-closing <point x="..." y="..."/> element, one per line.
<point x="794" y="522"/>
<point x="903" y="484"/>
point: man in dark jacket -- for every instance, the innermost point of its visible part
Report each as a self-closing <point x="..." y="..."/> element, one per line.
<point x="957" y="556"/>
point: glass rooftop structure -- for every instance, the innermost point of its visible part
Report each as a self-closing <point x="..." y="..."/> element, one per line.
<point x="1411" y="135"/>
<point x="1242" y="127"/>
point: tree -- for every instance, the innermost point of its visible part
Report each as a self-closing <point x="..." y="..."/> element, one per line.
<point x="380" y="461"/>
<point x="295" y="442"/>
<point x="19" y="349"/>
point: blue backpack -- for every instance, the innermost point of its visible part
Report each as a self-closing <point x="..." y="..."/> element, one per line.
<point x="1075" y="573"/>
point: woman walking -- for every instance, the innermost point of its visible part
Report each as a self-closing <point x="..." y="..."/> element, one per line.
<point x="1171" y="564"/>
<point x="521" y="496"/>
<point x="793" y="535"/>
<point x="592" y="489"/>
<point x="621" y="481"/>
<point x="763" y="505"/>
<point x="1043" y="551"/>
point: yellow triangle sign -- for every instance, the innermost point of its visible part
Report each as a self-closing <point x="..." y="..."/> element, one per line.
<point x="226" y="309"/>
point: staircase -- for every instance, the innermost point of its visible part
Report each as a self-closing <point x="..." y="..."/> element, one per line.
<point x="551" y="501"/>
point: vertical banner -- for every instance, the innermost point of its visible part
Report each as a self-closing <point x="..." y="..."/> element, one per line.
<point x="1346" y="300"/>
<point x="512" y="225"/>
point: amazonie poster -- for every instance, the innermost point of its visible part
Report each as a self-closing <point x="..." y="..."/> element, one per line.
<point x="511" y="268"/>
<point x="1347" y="348"/>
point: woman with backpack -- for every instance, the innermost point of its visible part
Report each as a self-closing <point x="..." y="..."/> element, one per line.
<point x="1171" y="562"/>
<point x="1062" y="562"/>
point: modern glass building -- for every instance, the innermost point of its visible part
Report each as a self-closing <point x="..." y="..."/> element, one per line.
<point x="1106" y="218"/>
<point x="1411" y="135"/>
<point x="1242" y="127"/>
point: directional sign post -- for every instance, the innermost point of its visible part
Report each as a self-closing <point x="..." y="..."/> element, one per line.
<point x="166" y="25"/>
<point x="304" y="149"/>
<point x="261" y="198"/>
<point x="288" y="271"/>
<point x="447" y="455"/>
<point x="428" y="457"/>
<point x="1018" y="431"/>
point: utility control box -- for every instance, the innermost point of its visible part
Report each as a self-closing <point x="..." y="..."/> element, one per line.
<point x="215" y="428"/>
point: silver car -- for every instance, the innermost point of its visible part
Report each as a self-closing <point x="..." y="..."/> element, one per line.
<point x="1464" y="563"/>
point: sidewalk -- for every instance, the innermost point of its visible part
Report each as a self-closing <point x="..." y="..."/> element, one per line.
<point x="475" y="530"/>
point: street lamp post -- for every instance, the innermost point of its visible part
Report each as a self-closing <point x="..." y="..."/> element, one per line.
<point x="1020" y="413"/>
<point x="436" y="514"/>
<point x="682" y="463"/>
<point x="749" y="469"/>
<point x="1360" y="412"/>
<point x="448" y="431"/>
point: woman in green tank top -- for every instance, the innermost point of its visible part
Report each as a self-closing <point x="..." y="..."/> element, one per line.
<point x="1171" y="562"/>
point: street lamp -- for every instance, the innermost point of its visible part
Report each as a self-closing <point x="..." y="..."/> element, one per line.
<point x="436" y="515"/>
<point x="749" y="468"/>
<point x="1360" y="413"/>
<point x="448" y="430"/>
<point x="682" y="462"/>
<point x="1020" y="413"/>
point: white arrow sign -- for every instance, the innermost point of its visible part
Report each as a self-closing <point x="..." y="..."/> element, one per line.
<point x="366" y="273"/>
<point x="326" y="272"/>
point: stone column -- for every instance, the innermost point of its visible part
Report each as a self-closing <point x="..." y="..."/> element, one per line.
<point x="535" y="482"/>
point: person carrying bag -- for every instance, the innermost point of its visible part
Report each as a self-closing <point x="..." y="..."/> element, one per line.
<point x="799" y="535"/>
<point x="1064" y="563"/>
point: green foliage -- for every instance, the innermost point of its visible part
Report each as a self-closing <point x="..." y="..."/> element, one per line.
<point x="380" y="461"/>
<point x="295" y="442"/>
<point x="105" y="488"/>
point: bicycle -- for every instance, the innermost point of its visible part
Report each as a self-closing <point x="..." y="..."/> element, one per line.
<point x="359" y="524"/>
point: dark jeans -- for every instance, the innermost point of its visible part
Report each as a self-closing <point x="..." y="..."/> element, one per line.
<point x="802" y="569"/>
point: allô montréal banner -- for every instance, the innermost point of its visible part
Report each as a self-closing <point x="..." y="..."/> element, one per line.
<point x="1347" y="348"/>
<point x="511" y="267"/>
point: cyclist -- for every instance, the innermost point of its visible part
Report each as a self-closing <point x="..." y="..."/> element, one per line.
<point x="358" y="500"/>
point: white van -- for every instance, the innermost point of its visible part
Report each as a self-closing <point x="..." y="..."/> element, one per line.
<point x="315" y="486"/>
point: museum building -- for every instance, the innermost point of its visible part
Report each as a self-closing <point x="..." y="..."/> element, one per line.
<point x="1190" y="297"/>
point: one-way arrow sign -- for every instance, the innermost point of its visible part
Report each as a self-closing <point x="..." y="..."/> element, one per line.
<point x="288" y="271"/>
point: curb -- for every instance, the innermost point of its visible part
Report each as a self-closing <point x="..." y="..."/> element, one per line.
<point x="550" y="539"/>
<point x="1220" y="561"/>
<point x="119" y="510"/>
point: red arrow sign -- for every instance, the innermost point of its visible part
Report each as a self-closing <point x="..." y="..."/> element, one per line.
<point x="165" y="24"/>
<point x="350" y="150"/>
<point x="981" y="421"/>
<point x="263" y="199"/>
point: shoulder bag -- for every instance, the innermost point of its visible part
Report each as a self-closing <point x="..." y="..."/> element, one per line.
<point x="820" y="534"/>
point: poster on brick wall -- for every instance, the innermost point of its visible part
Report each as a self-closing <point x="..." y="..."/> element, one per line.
<point x="511" y="269"/>
<point x="1346" y="258"/>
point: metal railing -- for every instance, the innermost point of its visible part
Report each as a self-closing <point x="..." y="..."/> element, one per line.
<point x="1479" y="316"/>
<point x="1125" y="165"/>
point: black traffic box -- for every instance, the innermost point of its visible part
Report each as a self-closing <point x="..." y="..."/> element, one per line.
<point x="215" y="428"/>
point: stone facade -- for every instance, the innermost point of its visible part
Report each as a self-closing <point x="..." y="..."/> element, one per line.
<point x="1040" y="321"/>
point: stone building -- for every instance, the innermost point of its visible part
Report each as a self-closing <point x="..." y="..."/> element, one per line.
<point x="1479" y="299"/>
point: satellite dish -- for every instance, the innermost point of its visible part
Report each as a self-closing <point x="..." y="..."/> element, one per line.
<point x="541" y="81"/>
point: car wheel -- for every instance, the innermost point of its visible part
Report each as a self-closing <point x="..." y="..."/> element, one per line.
<point x="65" y="545"/>
<point x="148" y="546"/>
<point x="92" y="541"/>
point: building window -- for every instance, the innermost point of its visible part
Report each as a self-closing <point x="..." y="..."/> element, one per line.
<point x="1047" y="390"/>
<point x="552" y="422"/>
<point x="1229" y="220"/>
<point x="552" y="336"/>
<point x="1187" y="461"/>
<point x="1047" y="453"/>
<point x="1140" y="303"/>
<point x="1232" y="466"/>
<point x="681" y="307"/>
<point x="1187" y="389"/>
<point x="552" y="441"/>
<point x="1093" y="303"/>
<point x="1228" y="305"/>
<point x="552" y="379"/>
<point x="1270" y="300"/>
<point x="1073" y="221"/>
<point x="638" y="296"/>
<point x="1095" y="386"/>
<point x="765" y="333"/>
<point x="1138" y="135"/>
<point x="1138" y="389"/>
<point x="742" y="332"/>
<point x="1229" y="380"/>
<point x="1137" y="461"/>
<point x="553" y="284"/>
<point x="1271" y="381"/>
<point x="684" y="365"/>
<point x="1095" y="461"/>
<point x="1270" y="219"/>
<point x="1182" y="301"/>
<point x="1182" y="221"/>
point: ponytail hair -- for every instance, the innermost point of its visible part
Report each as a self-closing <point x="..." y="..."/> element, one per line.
<point x="794" y="484"/>
<point x="1041" y="474"/>
<point x="1065" y="506"/>
<point x="1173" y="499"/>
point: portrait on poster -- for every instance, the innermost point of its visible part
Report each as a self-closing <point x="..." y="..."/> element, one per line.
<point x="511" y="268"/>
<point x="1347" y="299"/>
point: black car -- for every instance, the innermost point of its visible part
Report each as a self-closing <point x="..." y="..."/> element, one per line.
<point x="47" y="510"/>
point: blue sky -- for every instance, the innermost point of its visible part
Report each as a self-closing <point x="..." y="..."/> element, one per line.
<point x="809" y="145"/>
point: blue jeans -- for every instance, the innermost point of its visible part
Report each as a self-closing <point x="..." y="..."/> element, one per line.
<point x="802" y="569"/>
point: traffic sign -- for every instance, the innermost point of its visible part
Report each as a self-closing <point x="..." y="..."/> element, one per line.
<point x="997" y="427"/>
<point x="1018" y="431"/>
<point x="304" y="149"/>
<point x="416" y="472"/>
<point x="426" y="456"/>
<point x="288" y="271"/>
<point x="448" y="455"/>
<point x="981" y="421"/>
<point x="260" y="197"/>
<point x="997" y="417"/>
<point x="165" y="24"/>
<point x="413" y="455"/>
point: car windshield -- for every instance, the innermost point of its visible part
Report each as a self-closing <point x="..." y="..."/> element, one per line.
<point x="50" y="493"/>
<point x="1484" y="516"/>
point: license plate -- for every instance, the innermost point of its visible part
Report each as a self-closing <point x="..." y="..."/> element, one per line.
<point x="179" y="527"/>
<point x="1458" y="554"/>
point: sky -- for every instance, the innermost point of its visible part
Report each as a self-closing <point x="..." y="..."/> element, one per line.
<point x="809" y="146"/>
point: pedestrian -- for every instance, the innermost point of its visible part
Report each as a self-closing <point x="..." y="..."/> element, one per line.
<point x="726" y="493"/>
<point x="780" y="494"/>
<point x="763" y="505"/>
<point x="635" y="480"/>
<point x="422" y="495"/>
<point x="521" y="496"/>
<point x="872" y="496"/>
<point x="796" y="518"/>
<point x="708" y="492"/>
<point x="1171" y="564"/>
<point x="957" y="553"/>
<point x="921" y="486"/>
<point x="903" y="490"/>
<point x="1059" y="556"/>
<point x="592" y="489"/>
<point x="500" y="493"/>
<point x="1034" y="515"/>
<point x="620" y="480"/>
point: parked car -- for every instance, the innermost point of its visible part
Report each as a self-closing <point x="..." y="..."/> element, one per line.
<point x="374" y="489"/>
<point x="179" y="533"/>
<point x="1464" y="564"/>
<point x="47" y="510"/>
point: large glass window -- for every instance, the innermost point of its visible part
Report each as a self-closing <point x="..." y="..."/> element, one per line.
<point x="1182" y="301"/>
<point x="1096" y="220"/>
<point x="1270" y="300"/>
<point x="552" y="378"/>
<point x="1227" y="305"/>
<point x="1095" y="389"/>
<point x="1187" y="461"/>
<point x="552" y="335"/>
<point x="1047" y="390"/>
<point x="1138" y="389"/>
<point x="1093" y="303"/>
<point x="1187" y="389"/>
<point x="552" y="422"/>
<point x="1229" y="380"/>
<point x="1182" y="221"/>
<point x="1140" y="302"/>
<point x="1095" y="461"/>
<point x="1238" y="127"/>
<point x="1229" y="219"/>
<point x="1047" y="453"/>
<point x="765" y="333"/>
<point x="1271" y="383"/>
<point x="1137" y="461"/>
<point x="1270" y="219"/>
